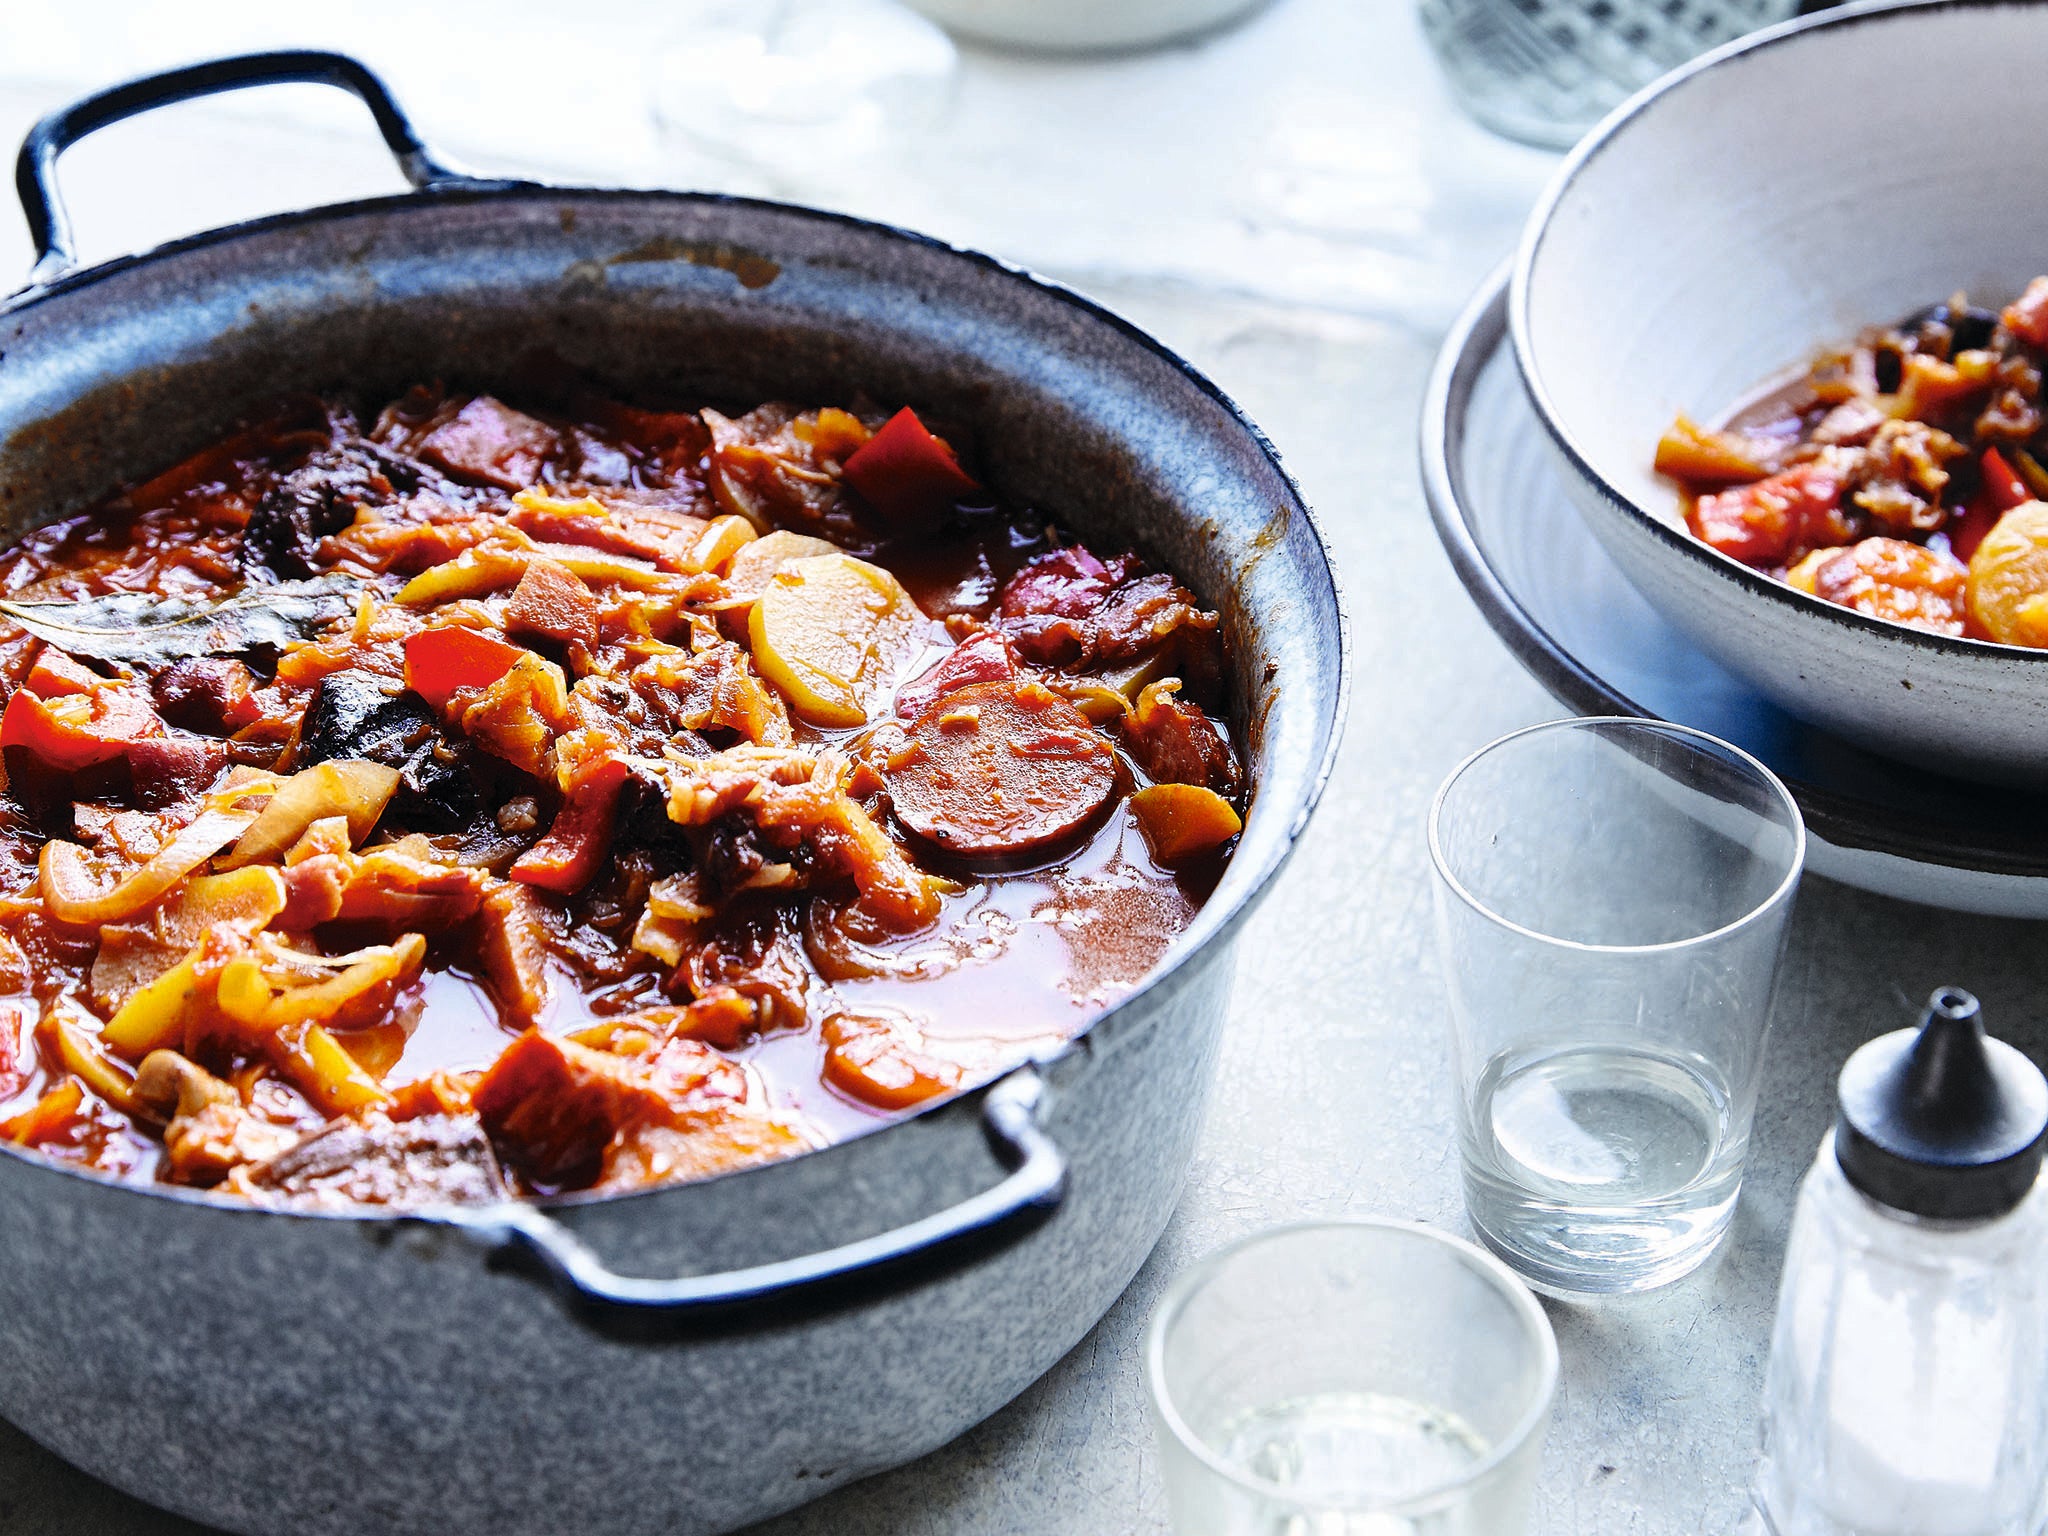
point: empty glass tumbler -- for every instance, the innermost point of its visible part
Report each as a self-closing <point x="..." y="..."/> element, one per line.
<point x="1611" y="899"/>
<point x="1350" y="1378"/>
<point x="1544" y="71"/>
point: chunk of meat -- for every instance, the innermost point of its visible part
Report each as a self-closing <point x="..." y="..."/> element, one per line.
<point x="1064" y="583"/>
<point x="698" y="1148"/>
<point x="215" y="694"/>
<point x="1176" y="743"/>
<point x="397" y="889"/>
<point x="660" y="527"/>
<point x="164" y="770"/>
<point x="410" y="535"/>
<point x="800" y="797"/>
<point x="1140" y="616"/>
<point x="518" y="717"/>
<point x="512" y="947"/>
<point x="1069" y="609"/>
<point x="776" y="465"/>
<point x="489" y="441"/>
<point x="209" y="1133"/>
<point x="983" y="657"/>
<point x="1781" y="517"/>
<point x="1902" y="476"/>
<point x="715" y="689"/>
<point x="1849" y="425"/>
<point x="425" y="1161"/>
<point x="552" y="601"/>
<point x="1000" y="768"/>
<point x="1888" y="579"/>
<point x="553" y="1106"/>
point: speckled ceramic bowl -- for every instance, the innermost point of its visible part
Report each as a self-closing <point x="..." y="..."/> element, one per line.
<point x="1730" y="222"/>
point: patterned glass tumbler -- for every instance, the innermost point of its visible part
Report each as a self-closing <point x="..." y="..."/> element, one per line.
<point x="1544" y="71"/>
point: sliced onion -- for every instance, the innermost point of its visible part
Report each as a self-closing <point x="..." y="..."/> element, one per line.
<point x="74" y="897"/>
<point x="347" y="787"/>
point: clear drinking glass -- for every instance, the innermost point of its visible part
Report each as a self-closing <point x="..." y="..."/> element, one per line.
<point x="1544" y="71"/>
<point x="1611" y="899"/>
<point x="1350" y="1378"/>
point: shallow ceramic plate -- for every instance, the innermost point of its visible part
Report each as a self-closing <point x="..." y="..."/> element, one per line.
<point x="1729" y="223"/>
<point x="1564" y="608"/>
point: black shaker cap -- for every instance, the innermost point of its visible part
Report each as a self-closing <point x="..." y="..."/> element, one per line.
<point x="1942" y="1121"/>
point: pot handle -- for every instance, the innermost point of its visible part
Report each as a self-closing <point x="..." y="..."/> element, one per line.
<point x="526" y="1237"/>
<point x="35" y="171"/>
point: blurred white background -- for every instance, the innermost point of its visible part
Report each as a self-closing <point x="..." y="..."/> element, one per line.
<point x="1307" y="156"/>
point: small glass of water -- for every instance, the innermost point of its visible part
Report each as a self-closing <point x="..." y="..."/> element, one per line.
<point x="1611" y="899"/>
<point x="1350" y="1378"/>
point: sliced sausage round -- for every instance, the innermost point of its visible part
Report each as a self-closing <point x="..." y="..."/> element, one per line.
<point x="1000" y="768"/>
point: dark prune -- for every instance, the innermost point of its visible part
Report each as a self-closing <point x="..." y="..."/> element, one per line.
<point x="319" y="498"/>
<point x="353" y="716"/>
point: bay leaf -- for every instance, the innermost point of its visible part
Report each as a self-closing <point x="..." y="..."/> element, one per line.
<point x="138" y="629"/>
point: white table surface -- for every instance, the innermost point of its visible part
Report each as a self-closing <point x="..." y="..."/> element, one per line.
<point x="1294" y="206"/>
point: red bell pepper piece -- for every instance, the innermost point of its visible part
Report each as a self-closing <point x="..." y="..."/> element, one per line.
<point x="2006" y="489"/>
<point x="908" y="474"/>
<point x="1999" y="490"/>
<point x="980" y="658"/>
<point x="55" y="674"/>
<point x="77" y="730"/>
<point x="439" y="661"/>
<point x="2027" y="316"/>
<point x="567" y="858"/>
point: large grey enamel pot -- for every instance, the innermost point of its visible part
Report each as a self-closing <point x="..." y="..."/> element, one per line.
<point x="681" y="1360"/>
<point x="1719" y="231"/>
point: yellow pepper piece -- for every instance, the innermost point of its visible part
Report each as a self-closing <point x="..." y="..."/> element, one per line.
<point x="1182" y="820"/>
<point x="270" y="998"/>
<point x="85" y="1059"/>
<point x="154" y="1017"/>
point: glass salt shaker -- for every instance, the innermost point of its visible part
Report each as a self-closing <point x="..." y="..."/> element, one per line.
<point x="1905" y="1394"/>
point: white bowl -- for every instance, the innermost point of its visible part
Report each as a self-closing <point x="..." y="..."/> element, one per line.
<point x="1730" y="222"/>
<point x="1080" y="26"/>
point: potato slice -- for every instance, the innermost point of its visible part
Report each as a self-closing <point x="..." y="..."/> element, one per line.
<point x="2009" y="577"/>
<point x="721" y="541"/>
<point x="831" y="633"/>
<point x="758" y="563"/>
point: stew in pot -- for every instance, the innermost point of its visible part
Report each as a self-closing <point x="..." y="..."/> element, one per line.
<point x="457" y="800"/>
<point x="1901" y="477"/>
